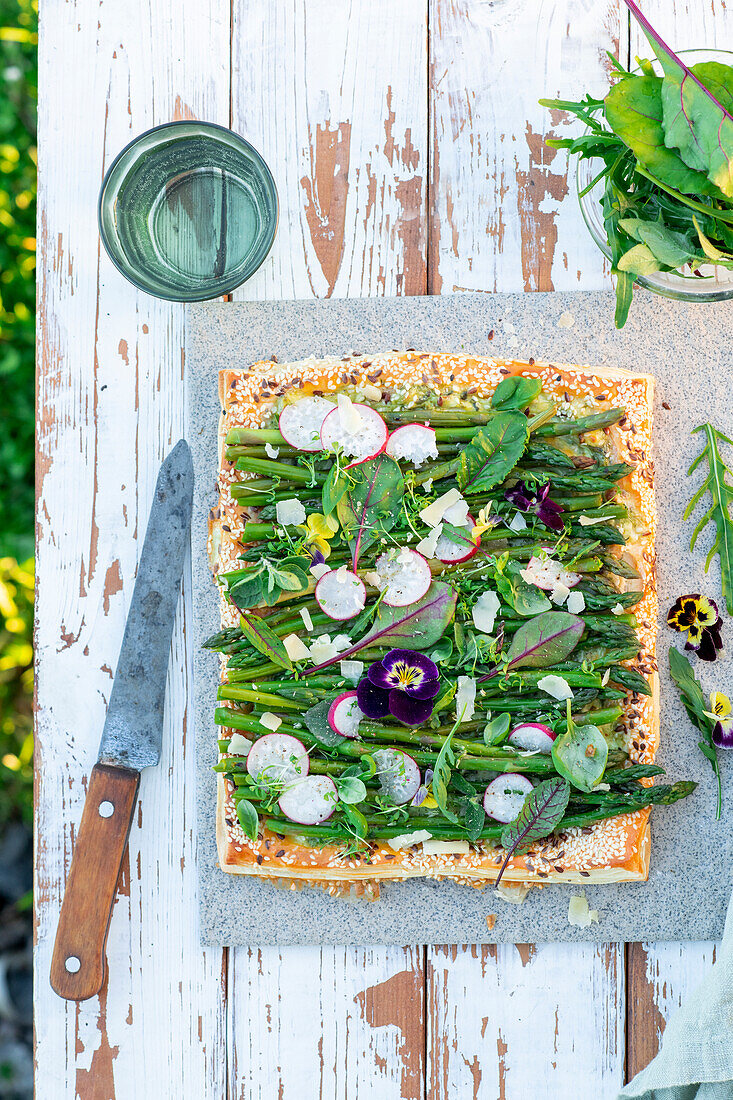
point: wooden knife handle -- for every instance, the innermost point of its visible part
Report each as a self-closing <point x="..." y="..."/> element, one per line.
<point x="78" y="963"/>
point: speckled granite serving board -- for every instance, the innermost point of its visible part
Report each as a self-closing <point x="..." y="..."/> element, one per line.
<point x="688" y="348"/>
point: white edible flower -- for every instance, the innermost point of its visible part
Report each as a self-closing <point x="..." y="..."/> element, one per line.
<point x="319" y="569"/>
<point x="618" y="609"/>
<point x="484" y="611"/>
<point x="270" y="721"/>
<point x="352" y="670"/>
<point x="555" y="686"/>
<point x="576" y="603"/>
<point x="579" y="914"/>
<point x="465" y="698"/>
<point x="445" y="847"/>
<point x="290" y="512"/>
<point x="270" y="451"/>
<point x="295" y="648"/>
<point x="519" y="523"/>
<point x="428" y="545"/>
<point x="433" y="513"/>
<point x="238" y="745"/>
<point x="406" y="840"/>
<point x="306" y="617"/>
<point x="559" y="593"/>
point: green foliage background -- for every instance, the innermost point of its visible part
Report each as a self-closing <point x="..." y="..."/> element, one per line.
<point x="18" y="96"/>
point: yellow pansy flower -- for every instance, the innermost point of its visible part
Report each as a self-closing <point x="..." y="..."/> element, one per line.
<point x="720" y="706"/>
<point x="484" y="522"/>
<point x="318" y="530"/>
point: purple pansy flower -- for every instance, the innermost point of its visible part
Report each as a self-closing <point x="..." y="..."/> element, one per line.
<point x="403" y="684"/>
<point x="538" y="502"/>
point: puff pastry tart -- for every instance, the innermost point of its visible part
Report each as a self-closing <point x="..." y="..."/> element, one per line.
<point x="438" y="607"/>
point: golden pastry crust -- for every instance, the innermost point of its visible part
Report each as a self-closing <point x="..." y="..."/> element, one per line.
<point x="614" y="850"/>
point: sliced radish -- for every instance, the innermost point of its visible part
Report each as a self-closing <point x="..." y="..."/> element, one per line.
<point x="345" y="714"/>
<point x="340" y="593"/>
<point x="403" y="575"/>
<point x="398" y="775"/>
<point x="448" y="550"/>
<point x="361" y="432"/>
<point x="548" y="574"/>
<point x="309" y="801"/>
<point x="533" y="736"/>
<point x="300" y="423"/>
<point x="415" y="442"/>
<point x="505" y="795"/>
<point x="279" y="757"/>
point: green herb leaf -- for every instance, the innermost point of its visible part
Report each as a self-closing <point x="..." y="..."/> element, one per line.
<point x="721" y="493"/>
<point x="249" y="591"/>
<point x="693" y="700"/>
<point x="248" y="818"/>
<point x="417" y="626"/>
<point x="580" y="755"/>
<point x="356" y="819"/>
<point x="516" y="392"/>
<point x="334" y="487"/>
<point x="473" y="816"/>
<point x="441" y="776"/>
<point x="639" y="260"/>
<point x="350" y="789"/>
<point x="371" y="504"/>
<point x="497" y="730"/>
<point x="525" y="599"/>
<point x="542" y="812"/>
<point x="264" y="640"/>
<point x="546" y="640"/>
<point x="493" y="452"/>
<point x="669" y="248"/>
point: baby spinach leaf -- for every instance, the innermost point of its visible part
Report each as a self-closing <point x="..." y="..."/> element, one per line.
<point x="417" y="626"/>
<point x="264" y="640"/>
<point x="542" y="812"/>
<point x="371" y="504"/>
<point x="580" y="754"/>
<point x="633" y="109"/>
<point x="546" y="640"/>
<point x="497" y="730"/>
<point x="515" y="392"/>
<point x="695" y="122"/>
<point x="639" y="260"/>
<point x="493" y="452"/>
<point x="350" y="789"/>
<point x="248" y="818"/>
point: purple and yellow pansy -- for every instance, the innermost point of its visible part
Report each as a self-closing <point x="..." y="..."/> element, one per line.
<point x="403" y="684"/>
<point x="697" y="616"/>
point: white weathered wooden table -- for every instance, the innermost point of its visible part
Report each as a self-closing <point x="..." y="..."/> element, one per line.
<point x="408" y="149"/>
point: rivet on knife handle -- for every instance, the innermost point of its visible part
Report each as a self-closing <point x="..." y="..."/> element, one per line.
<point x="78" y="964"/>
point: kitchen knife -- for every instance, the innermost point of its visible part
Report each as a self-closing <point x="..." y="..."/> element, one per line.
<point x="131" y="739"/>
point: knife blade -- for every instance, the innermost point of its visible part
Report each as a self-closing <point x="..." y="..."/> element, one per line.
<point x="131" y="738"/>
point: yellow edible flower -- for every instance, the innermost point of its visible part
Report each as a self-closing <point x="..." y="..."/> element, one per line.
<point x="484" y="522"/>
<point x="318" y="530"/>
<point x="720" y="706"/>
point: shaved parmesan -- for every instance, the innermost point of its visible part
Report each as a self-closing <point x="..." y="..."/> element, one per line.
<point x="351" y="419"/>
<point x="618" y="609"/>
<point x="555" y="686"/>
<point x="427" y="545"/>
<point x="560" y="593"/>
<point x="290" y="512"/>
<point x="306" y="617"/>
<point x="457" y="514"/>
<point x="579" y="914"/>
<point x="371" y="393"/>
<point x="433" y="513"/>
<point x="270" y="451"/>
<point x="427" y="485"/>
<point x="576" y="603"/>
<point x="589" y="521"/>
<point x="372" y="578"/>
<point x="515" y="894"/>
<point x="270" y="721"/>
<point x="518" y="523"/>
<point x="465" y="698"/>
<point x="352" y="670"/>
<point x="295" y="648"/>
<point x="445" y="847"/>
<point x="238" y="745"/>
<point x="323" y="649"/>
<point x="484" y="611"/>
<point x="406" y="840"/>
<point x="319" y="569"/>
<point x="606" y="677"/>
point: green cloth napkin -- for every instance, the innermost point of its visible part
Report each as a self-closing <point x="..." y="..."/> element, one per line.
<point x="696" y="1059"/>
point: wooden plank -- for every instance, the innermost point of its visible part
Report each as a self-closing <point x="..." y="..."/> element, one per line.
<point x="335" y="97"/>
<point x="659" y="976"/>
<point x="506" y="218"/>
<point x="110" y="405"/>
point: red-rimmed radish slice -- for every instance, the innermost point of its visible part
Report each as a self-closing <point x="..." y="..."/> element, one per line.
<point x="309" y="801"/>
<point x="358" y="429"/>
<point x="548" y="574"/>
<point x="460" y="546"/>
<point x="398" y="775"/>
<point x="403" y="575"/>
<point x="340" y="594"/>
<point x="345" y="714"/>
<point x="505" y="795"/>
<point x="415" y="442"/>
<point x="278" y="757"/>
<point x="532" y="736"/>
<point x="300" y="423"/>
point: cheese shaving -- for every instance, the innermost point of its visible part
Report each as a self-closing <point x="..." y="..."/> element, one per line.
<point x="427" y="545"/>
<point x="290" y="512"/>
<point x="556" y="686"/>
<point x="433" y="513"/>
<point x="319" y="569"/>
<point x="350" y="417"/>
<point x="238" y="745"/>
<point x="518" y="523"/>
<point x="576" y="603"/>
<point x="406" y="840"/>
<point x="295" y="648"/>
<point x="445" y="847"/>
<point x="270" y="721"/>
<point x="306" y="617"/>
<point x="579" y="913"/>
<point x="465" y="698"/>
<point x="484" y="611"/>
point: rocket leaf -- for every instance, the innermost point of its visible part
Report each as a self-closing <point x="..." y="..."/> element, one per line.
<point x="493" y="452"/>
<point x="694" y="703"/>
<point x="721" y="493"/>
<point x="417" y="626"/>
<point x="541" y="813"/>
